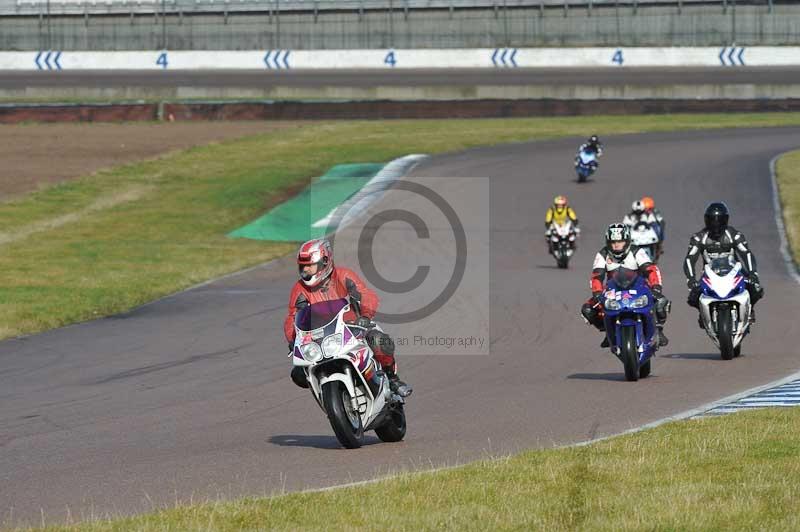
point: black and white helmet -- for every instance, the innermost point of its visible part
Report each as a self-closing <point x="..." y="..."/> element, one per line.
<point x="638" y="206"/>
<point x="618" y="233"/>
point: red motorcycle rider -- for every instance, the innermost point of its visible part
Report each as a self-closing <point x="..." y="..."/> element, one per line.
<point x="321" y="281"/>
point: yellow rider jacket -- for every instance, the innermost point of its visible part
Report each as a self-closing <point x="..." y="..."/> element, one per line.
<point x="560" y="216"/>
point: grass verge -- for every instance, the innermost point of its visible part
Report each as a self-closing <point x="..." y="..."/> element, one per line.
<point x="118" y="238"/>
<point x="788" y="177"/>
<point x="735" y="472"/>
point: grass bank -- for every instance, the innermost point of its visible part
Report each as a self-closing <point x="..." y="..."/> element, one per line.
<point x="788" y="177"/>
<point x="736" y="472"/>
<point x="118" y="238"/>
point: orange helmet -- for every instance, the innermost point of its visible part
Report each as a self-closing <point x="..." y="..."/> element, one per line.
<point x="649" y="203"/>
<point x="560" y="203"/>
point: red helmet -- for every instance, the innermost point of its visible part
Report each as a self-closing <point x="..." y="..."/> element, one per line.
<point x="319" y="252"/>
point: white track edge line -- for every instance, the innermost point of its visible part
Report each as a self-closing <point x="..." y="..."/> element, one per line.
<point x="786" y="250"/>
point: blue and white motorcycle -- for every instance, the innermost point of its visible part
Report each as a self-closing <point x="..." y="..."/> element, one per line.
<point x="725" y="305"/>
<point x="585" y="164"/>
<point x="630" y="321"/>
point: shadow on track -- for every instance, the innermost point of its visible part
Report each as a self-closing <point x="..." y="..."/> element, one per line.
<point x="616" y="376"/>
<point x="694" y="356"/>
<point x="313" y="440"/>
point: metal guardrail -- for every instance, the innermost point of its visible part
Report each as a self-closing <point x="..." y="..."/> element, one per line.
<point x="82" y="7"/>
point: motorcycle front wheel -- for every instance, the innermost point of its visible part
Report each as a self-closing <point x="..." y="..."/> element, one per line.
<point x="630" y="356"/>
<point x="562" y="260"/>
<point x="725" y="333"/>
<point x="344" y="419"/>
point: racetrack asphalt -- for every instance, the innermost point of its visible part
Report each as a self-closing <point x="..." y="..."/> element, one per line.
<point x="567" y="77"/>
<point x="189" y="397"/>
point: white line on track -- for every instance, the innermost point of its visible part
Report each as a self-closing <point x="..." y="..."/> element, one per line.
<point x="786" y="250"/>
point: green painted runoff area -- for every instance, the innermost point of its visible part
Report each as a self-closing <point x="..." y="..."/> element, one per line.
<point x="292" y="220"/>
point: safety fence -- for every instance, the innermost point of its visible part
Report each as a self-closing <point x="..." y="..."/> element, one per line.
<point x="378" y="24"/>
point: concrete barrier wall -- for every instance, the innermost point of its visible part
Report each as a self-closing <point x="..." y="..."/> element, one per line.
<point x="277" y="60"/>
<point x="292" y="110"/>
<point x="603" y="25"/>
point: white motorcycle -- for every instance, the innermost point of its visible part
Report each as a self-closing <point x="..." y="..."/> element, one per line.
<point x="562" y="242"/>
<point x="725" y="305"/>
<point x="344" y="376"/>
<point x="643" y="235"/>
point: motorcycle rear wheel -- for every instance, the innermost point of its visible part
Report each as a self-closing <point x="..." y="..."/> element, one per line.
<point x="346" y="422"/>
<point x="630" y="356"/>
<point x="395" y="428"/>
<point x="644" y="370"/>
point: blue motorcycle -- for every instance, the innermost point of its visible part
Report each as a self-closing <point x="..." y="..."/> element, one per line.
<point x="585" y="164"/>
<point x="630" y="322"/>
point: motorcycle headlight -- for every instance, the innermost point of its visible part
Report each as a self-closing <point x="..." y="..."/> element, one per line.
<point x="639" y="302"/>
<point x="612" y="304"/>
<point x="311" y="352"/>
<point x="332" y="344"/>
<point x="571" y="238"/>
<point x="555" y="238"/>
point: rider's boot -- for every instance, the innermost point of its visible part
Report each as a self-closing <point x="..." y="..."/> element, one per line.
<point x="662" y="338"/>
<point x="605" y="343"/>
<point x="752" y="318"/>
<point x="396" y="385"/>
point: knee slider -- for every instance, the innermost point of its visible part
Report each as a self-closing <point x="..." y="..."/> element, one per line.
<point x="589" y="314"/>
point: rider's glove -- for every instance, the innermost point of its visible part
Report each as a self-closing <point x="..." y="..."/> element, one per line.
<point x="757" y="287"/>
<point x="692" y="284"/>
<point x="352" y="291"/>
<point x="301" y="302"/>
<point x="363" y="321"/>
<point x="656" y="289"/>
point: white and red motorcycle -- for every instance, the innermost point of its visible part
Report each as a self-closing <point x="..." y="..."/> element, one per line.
<point x="643" y="235"/>
<point x="561" y="239"/>
<point x="725" y="305"/>
<point x="343" y="375"/>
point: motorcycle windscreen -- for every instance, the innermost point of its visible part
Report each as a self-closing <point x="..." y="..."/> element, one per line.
<point x="624" y="278"/>
<point x="318" y="315"/>
<point x="721" y="266"/>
